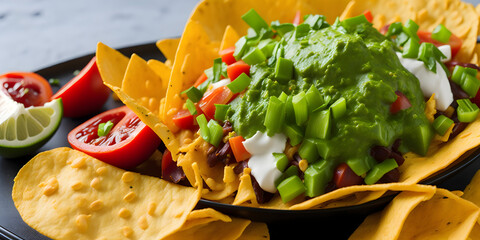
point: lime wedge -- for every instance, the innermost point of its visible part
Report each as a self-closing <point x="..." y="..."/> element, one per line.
<point x="24" y="130"/>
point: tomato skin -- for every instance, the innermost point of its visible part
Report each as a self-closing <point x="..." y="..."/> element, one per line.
<point x="234" y="70"/>
<point x="129" y="143"/>
<point x="227" y="55"/>
<point x="27" y="88"/>
<point x="401" y="103"/>
<point x="454" y="42"/>
<point x="85" y="94"/>
<point x="200" y="79"/>
<point x="239" y="151"/>
<point x="183" y="119"/>
<point x="344" y="176"/>
<point x="221" y="95"/>
<point x="368" y="15"/>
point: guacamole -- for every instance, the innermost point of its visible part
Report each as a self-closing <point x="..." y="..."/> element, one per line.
<point x="359" y="65"/>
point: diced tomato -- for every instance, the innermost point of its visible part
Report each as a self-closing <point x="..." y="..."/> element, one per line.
<point x="297" y="18"/>
<point x="227" y="55"/>
<point x="200" y="80"/>
<point x="234" y="70"/>
<point x="129" y="142"/>
<point x="183" y="119"/>
<point x="344" y="176"/>
<point x="454" y="42"/>
<point x="368" y="15"/>
<point x="239" y="151"/>
<point x="401" y="103"/>
<point x="221" y="95"/>
<point x="27" y="88"/>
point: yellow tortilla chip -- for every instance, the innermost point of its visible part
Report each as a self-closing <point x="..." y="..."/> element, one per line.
<point x="162" y="70"/>
<point x="111" y="65"/>
<point x="168" y="47"/>
<point x="472" y="191"/>
<point x="230" y="37"/>
<point x="66" y="194"/>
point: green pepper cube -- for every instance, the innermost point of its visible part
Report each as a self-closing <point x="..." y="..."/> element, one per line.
<point x="283" y="69"/>
<point x="289" y="110"/>
<point x="300" y="108"/>
<point x="294" y="133"/>
<point x="204" y="130"/>
<point x="441" y="124"/>
<point x="191" y="107"/>
<point x="216" y="132"/>
<point x="394" y="29"/>
<point x="281" y="161"/>
<point x="291" y="171"/>
<point x="254" y="56"/>
<point x="470" y="84"/>
<point x="308" y="151"/>
<point x="339" y="108"/>
<point x="410" y="49"/>
<point x="379" y="170"/>
<point x="221" y="112"/>
<point x="283" y="97"/>
<point x="290" y="188"/>
<point x="441" y="34"/>
<point x="314" y="98"/>
<point x="316" y="178"/>
<point x="410" y="28"/>
<point x="401" y="39"/>
<point x="240" y="48"/>
<point x="319" y="125"/>
<point x="419" y="137"/>
<point x="457" y="74"/>
<point x="254" y="20"/>
<point x="240" y="83"/>
<point x="323" y="148"/>
<point x="193" y="94"/>
<point x="275" y="116"/>
<point x="467" y="111"/>
<point x="361" y="166"/>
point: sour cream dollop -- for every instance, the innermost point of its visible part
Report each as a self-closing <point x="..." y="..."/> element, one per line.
<point x="262" y="162"/>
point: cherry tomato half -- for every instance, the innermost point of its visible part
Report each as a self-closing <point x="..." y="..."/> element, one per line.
<point x="85" y="94"/>
<point x="129" y="142"/>
<point x="27" y="88"/>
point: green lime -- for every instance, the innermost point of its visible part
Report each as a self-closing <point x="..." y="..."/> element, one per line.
<point x="24" y="130"/>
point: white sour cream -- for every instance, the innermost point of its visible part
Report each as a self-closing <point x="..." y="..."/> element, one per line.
<point x="430" y="82"/>
<point x="262" y="162"/>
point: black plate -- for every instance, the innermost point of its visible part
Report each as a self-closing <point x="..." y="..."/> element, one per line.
<point x="337" y="222"/>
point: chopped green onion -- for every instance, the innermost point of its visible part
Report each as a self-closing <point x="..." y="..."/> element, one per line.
<point x="54" y="81"/>
<point x="300" y="108"/>
<point x="379" y="170"/>
<point x="314" y="98"/>
<point x="281" y="161"/>
<point x="394" y="29"/>
<point x="221" y="112"/>
<point x="410" y="49"/>
<point x="240" y="83"/>
<point x="339" y="108"/>
<point x="76" y="72"/>
<point x="290" y="188"/>
<point x="441" y="34"/>
<point x="216" y="132"/>
<point x="204" y="130"/>
<point x="410" y="28"/>
<point x="470" y="85"/>
<point x="352" y="23"/>
<point x="240" y="48"/>
<point x="418" y="138"/>
<point x="316" y="22"/>
<point x="282" y="28"/>
<point x="323" y="148"/>
<point x="426" y="54"/>
<point x="467" y="111"/>
<point x="217" y="69"/>
<point x="193" y="94"/>
<point x="291" y="171"/>
<point x="308" y="151"/>
<point x="302" y="30"/>
<point x="191" y="107"/>
<point x="401" y="39"/>
<point x="283" y="97"/>
<point x="283" y="69"/>
<point x="267" y="47"/>
<point x="319" y="125"/>
<point x="254" y="20"/>
<point x="441" y="124"/>
<point x="294" y="133"/>
<point x="289" y="110"/>
<point x="275" y="116"/>
<point x="361" y="166"/>
<point x="457" y="74"/>
<point x="316" y="177"/>
<point x="254" y="56"/>
<point x="104" y="128"/>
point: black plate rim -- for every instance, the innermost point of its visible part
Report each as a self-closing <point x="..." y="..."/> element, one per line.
<point x="243" y="211"/>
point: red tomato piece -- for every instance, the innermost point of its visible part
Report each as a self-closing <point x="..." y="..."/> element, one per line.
<point x="401" y="103"/>
<point x="183" y="119"/>
<point x="234" y="70"/>
<point x="200" y="80"/>
<point x="239" y="151"/>
<point x="368" y="15"/>
<point x="297" y="18"/>
<point x="170" y="171"/>
<point x="344" y="176"/>
<point x="85" y="94"/>
<point x="454" y="42"/>
<point x="220" y="95"/>
<point x="129" y="142"/>
<point x="27" y="88"/>
<point x="227" y="55"/>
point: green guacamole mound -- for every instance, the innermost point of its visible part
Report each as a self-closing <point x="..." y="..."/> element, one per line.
<point x="360" y="66"/>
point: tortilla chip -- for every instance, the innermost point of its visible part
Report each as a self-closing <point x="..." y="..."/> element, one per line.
<point x="430" y="108"/>
<point x="472" y="191"/>
<point x="168" y="47"/>
<point x="111" y="65"/>
<point x="245" y="191"/>
<point x="421" y="215"/>
<point x="230" y="37"/>
<point x="255" y="231"/>
<point x="162" y="70"/>
<point x="214" y="230"/>
<point x="74" y="196"/>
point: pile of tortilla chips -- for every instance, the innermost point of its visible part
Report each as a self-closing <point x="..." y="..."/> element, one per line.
<point x="152" y="90"/>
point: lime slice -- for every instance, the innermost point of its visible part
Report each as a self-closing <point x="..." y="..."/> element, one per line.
<point x="24" y="130"/>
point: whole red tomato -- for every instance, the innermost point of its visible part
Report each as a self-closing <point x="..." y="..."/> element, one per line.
<point x="27" y="88"/>
<point x="129" y="142"/>
<point x="85" y="94"/>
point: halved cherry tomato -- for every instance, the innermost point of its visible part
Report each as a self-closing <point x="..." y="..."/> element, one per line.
<point x="200" y="80"/>
<point x="227" y="55"/>
<point x="368" y="15"/>
<point x="129" y="142"/>
<point x="220" y="95"/>
<point x="27" y="88"/>
<point x="239" y="151"/>
<point x="454" y="42"/>
<point x="85" y="94"/>
<point x="401" y="103"/>
<point x="234" y="70"/>
<point x="297" y="18"/>
<point x="183" y="119"/>
<point x="344" y="176"/>
<point x="170" y="171"/>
